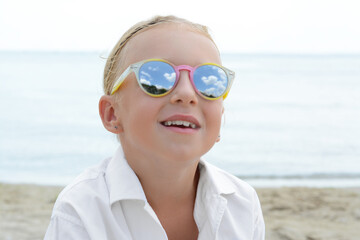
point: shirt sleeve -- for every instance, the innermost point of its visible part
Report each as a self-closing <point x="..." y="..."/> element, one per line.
<point x="259" y="224"/>
<point x="64" y="227"/>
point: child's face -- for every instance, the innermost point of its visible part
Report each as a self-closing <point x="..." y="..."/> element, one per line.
<point x="141" y="117"/>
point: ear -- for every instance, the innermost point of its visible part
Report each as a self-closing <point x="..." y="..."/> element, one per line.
<point x="107" y="114"/>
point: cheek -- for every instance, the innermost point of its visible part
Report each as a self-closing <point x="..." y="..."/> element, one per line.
<point x="131" y="101"/>
<point x="214" y="115"/>
<point x="140" y="114"/>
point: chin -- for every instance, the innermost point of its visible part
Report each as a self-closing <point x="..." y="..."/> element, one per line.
<point x="183" y="154"/>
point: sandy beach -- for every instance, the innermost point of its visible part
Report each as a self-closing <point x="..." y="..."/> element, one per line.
<point x="290" y="213"/>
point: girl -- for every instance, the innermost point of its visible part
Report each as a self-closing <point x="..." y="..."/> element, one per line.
<point x="164" y="90"/>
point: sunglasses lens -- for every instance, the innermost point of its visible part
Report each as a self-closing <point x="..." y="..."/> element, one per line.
<point x="157" y="77"/>
<point x="210" y="80"/>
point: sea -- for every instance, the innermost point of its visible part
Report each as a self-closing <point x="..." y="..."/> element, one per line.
<point x="290" y="120"/>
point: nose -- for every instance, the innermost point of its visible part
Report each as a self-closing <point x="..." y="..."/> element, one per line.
<point x="184" y="92"/>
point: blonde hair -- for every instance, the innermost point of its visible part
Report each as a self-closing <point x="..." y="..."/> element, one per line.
<point x="114" y="61"/>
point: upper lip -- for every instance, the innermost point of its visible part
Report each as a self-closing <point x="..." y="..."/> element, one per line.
<point x="182" y="117"/>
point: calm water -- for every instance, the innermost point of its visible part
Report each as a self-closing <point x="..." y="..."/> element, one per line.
<point x="289" y="120"/>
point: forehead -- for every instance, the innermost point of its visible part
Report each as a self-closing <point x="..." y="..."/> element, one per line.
<point x="177" y="43"/>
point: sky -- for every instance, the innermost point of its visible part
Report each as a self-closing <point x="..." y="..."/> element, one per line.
<point x="241" y="26"/>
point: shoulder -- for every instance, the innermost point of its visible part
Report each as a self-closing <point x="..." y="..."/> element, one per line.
<point x="82" y="210"/>
<point x="86" y="191"/>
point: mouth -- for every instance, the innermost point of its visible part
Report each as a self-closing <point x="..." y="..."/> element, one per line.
<point x="179" y="124"/>
<point x="181" y="121"/>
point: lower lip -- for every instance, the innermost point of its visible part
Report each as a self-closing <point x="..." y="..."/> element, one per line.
<point x="181" y="130"/>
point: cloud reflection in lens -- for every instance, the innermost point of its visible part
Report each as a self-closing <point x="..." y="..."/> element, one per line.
<point x="157" y="77"/>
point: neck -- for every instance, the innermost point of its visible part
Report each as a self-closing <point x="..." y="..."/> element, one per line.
<point x="167" y="183"/>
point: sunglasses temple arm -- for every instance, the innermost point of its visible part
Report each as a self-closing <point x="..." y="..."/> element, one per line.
<point x="232" y="77"/>
<point x="120" y="80"/>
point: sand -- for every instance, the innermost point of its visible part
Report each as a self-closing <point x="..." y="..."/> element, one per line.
<point x="290" y="213"/>
<point x="311" y="213"/>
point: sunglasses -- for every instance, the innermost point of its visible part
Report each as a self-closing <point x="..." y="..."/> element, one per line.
<point x="158" y="77"/>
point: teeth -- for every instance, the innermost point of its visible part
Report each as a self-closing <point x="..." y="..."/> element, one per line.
<point x="179" y="123"/>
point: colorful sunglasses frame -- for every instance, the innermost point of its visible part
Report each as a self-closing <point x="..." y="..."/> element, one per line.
<point x="136" y="67"/>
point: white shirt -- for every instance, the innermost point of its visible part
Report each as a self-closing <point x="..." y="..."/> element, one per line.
<point x="108" y="202"/>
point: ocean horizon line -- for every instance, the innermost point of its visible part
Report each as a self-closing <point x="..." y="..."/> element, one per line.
<point x="258" y="182"/>
<point x="225" y="53"/>
<point x="315" y="176"/>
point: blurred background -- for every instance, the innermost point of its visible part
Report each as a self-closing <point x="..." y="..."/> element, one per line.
<point x="291" y="119"/>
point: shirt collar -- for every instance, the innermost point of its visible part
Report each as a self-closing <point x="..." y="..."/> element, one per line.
<point x="122" y="181"/>
<point x="123" y="184"/>
<point x="214" y="188"/>
<point x="215" y="180"/>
